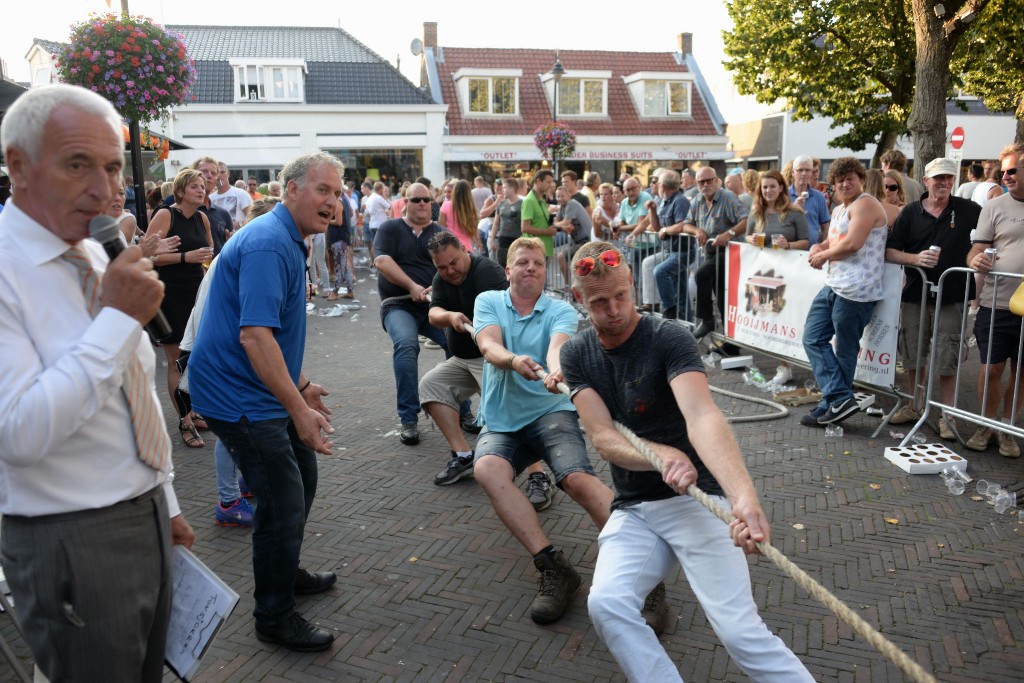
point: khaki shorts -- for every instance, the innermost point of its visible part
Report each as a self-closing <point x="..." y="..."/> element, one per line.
<point x="452" y="381"/>
<point x="948" y="345"/>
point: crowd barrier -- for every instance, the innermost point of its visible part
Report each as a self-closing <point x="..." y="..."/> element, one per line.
<point x="954" y="409"/>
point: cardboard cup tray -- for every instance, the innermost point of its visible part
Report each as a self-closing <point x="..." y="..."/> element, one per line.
<point x="924" y="458"/>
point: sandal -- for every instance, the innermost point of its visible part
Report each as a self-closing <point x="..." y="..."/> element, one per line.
<point x="199" y="422"/>
<point x="189" y="435"/>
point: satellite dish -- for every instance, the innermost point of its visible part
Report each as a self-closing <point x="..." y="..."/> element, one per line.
<point x="416" y="47"/>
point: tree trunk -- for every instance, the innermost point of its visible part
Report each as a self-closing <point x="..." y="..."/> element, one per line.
<point x="1019" y="136"/>
<point x="927" y="122"/>
<point x="886" y="141"/>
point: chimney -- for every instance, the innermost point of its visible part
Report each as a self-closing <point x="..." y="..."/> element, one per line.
<point x="686" y="43"/>
<point x="429" y="34"/>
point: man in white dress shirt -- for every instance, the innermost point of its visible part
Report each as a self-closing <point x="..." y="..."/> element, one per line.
<point x="89" y="513"/>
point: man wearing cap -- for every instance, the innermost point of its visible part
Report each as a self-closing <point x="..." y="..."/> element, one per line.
<point x="934" y="234"/>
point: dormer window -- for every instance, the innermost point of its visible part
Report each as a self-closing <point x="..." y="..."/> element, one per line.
<point x="661" y="94"/>
<point x="278" y="80"/>
<point x="488" y="92"/>
<point x="580" y="93"/>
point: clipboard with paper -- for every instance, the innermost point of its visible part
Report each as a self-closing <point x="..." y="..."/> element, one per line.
<point x="201" y="604"/>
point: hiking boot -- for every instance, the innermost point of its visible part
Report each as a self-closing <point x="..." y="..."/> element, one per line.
<point x="1008" y="447"/>
<point x="980" y="440"/>
<point x="655" y="611"/>
<point x="468" y="424"/>
<point x="410" y="435"/>
<point x="538" y="491"/>
<point x="904" y="415"/>
<point x="238" y="513"/>
<point x="557" y="583"/>
<point x="456" y="469"/>
<point x="947" y="427"/>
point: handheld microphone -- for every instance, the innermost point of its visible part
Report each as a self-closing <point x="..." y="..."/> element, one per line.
<point x="104" y="230"/>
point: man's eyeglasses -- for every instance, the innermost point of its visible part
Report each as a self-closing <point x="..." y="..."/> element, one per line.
<point x="892" y="188"/>
<point x="1011" y="171"/>
<point x="419" y="200"/>
<point x="585" y="266"/>
<point x="705" y="181"/>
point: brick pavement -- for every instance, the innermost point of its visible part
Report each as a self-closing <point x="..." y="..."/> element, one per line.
<point x="432" y="588"/>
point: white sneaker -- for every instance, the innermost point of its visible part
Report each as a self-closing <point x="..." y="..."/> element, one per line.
<point x="782" y="375"/>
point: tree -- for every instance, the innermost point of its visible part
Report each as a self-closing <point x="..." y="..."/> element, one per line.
<point x="989" y="60"/>
<point x="849" y="60"/>
<point x="939" y="28"/>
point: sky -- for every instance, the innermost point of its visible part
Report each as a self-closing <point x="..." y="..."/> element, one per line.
<point x="389" y="32"/>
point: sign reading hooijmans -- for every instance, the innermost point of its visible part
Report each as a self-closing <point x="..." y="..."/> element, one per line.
<point x="768" y="293"/>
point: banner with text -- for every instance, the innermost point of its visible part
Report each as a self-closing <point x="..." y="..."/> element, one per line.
<point x="768" y="293"/>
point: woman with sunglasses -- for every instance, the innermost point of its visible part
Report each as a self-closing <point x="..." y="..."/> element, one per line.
<point x="875" y="185"/>
<point x="895" y="193"/>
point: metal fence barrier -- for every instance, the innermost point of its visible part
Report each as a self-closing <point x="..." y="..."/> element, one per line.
<point x="954" y="409"/>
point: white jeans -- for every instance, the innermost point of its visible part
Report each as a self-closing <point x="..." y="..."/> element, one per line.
<point x="638" y="547"/>
<point x="648" y="286"/>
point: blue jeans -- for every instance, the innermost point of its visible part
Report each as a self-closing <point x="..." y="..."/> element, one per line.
<point x="671" y="276"/>
<point x="404" y="325"/>
<point x="554" y="438"/>
<point x="832" y="315"/>
<point x="227" y="475"/>
<point x="281" y="471"/>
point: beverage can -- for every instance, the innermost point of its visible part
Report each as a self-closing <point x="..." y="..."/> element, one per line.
<point x="935" y="248"/>
<point x="991" y="252"/>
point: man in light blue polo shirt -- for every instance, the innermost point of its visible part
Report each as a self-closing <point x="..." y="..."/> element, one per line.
<point x="519" y="332"/>
<point x="245" y="375"/>
<point x="803" y="194"/>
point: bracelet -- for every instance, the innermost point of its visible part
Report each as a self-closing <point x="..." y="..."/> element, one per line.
<point x="306" y="385"/>
<point x="182" y="257"/>
<point x="511" y="361"/>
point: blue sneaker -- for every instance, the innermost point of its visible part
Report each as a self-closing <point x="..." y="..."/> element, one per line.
<point x="243" y="488"/>
<point x="811" y="418"/>
<point x="239" y="514"/>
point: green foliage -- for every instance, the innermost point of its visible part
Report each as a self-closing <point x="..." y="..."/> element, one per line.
<point x="990" y="57"/>
<point x="849" y="60"/>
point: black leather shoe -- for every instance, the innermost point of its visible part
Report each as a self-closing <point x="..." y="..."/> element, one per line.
<point x="410" y="435"/>
<point x="295" y="633"/>
<point x="468" y="424"/>
<point x="313" y="582"/>
<point x="669" y="313"/>
<point x="704" y="329"/>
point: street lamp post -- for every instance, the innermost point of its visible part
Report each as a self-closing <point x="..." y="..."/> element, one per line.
<point x="557" y="71"/>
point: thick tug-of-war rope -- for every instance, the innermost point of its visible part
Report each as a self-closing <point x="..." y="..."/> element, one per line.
<point x="912" y="669"/>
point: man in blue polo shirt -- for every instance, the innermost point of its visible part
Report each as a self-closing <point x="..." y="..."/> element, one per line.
<point x="255" y="397"/>
<point x="803" y="194"/>
<point x="520" y="331"/>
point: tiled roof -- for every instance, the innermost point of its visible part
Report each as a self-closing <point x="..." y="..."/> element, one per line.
<point x="341" y="70"/>
<point x="312" y="43"/>
<point x="535" y="108"/>
<point x="50" y="46"/>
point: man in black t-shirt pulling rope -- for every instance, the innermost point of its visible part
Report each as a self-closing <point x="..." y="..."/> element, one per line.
<point x="646" y="374"/>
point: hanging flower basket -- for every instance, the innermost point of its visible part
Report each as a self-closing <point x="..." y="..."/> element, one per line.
<point x="138" y="66"/>
<point x="555" y="140"/>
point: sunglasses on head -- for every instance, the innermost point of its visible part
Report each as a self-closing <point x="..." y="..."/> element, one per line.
<point x="419" y="200"/>
<point x="585" y="266"/>
<point x="892" y="188"/>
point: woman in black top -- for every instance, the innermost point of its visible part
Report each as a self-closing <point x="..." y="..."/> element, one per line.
<point x="181" y="273"/>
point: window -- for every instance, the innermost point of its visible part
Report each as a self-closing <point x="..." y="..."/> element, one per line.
<point x="276" y="82"/>
<point x="492" y="96"/>
<point x="581" y="97"/>
<point x="666" y="98"/>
